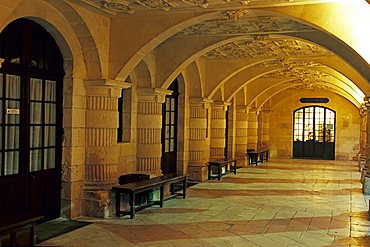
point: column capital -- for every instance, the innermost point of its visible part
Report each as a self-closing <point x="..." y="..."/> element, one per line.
<point x="157" y="95"/>
<point x="223" y="104"/>
<point x="102" y="87"/>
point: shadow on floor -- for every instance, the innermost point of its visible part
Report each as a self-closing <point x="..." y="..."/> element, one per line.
<point x="54" y="228"/>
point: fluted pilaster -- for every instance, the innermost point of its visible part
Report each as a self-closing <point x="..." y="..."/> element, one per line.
<point x="241" y="138"/>
<point x="252" y="128"/>
<point x="198" y="140"/>
<point x="218" y="127"/>
<point x="149" y="125"/>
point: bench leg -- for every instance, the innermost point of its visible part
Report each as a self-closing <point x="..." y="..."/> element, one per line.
<point x="13" y="237"/>
<point x="184" y="184"/>
<point x="219" y="172"/>
<point x="118" y="203"/>
<point x="161" y="195"/>
<point x="33" y="235"/>
<point x="209" y="172"/>
<point x="234" y="167"/>
<point x="132" y="205"/>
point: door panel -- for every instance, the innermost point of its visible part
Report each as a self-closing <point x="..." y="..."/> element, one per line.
<point x="169" y="131"/>
<point x="314" y="133"/>
<point x="30" y="125"/>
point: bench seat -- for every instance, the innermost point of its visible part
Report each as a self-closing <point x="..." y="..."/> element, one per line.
<point x="132" y="189"/>
<point x="13" y="223"/>
<point x="219" y="163"/>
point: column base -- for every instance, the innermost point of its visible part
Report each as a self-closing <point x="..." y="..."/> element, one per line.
<point x="197" y="173"/>
<point x="97" y="203"/>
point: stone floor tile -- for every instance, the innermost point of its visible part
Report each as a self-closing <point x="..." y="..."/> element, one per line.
<point x="281" y="203"/>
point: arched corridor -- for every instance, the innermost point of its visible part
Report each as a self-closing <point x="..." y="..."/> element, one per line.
<point x="158" y="87"/>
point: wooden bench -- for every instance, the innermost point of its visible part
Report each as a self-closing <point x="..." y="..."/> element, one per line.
<point x="13" y="223"/>
<point x="132" y="189"/>
<point x="257" y="156"/>
<point x="220" y="163"/>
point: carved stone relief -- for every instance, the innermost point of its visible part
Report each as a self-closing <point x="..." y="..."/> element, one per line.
<point x="266" y="48"/>
<point x="245" y="25"/>
<point x="299" y="73"/>
<point x="131" y="6"/>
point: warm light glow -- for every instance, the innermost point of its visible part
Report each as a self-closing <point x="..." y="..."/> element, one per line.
<point x="1" y="61"/>
<point x="358" y="16"/>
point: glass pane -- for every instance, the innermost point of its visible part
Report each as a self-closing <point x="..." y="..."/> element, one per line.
<point x="35" y="89"/>
<point x="11" y="137"/>
<point x="1" y="85"/>
<point x="167" y="118"/>
<point x="35" y="113"/>
<point x="49" y="136"/>
<point x="50" y="90"/>
<point x="13" y="85"/>
<point x="11" y="163"/>
<point x="12" y="114"/>
<point x="172" y="104"/>
<point x="50" y="113"/>
<point x="49" y="158"/>
<point x="168" y="104"/>
<point x="172" y="132"/>
<point x="167" y="145"/>
<point x="35" y="136"/>
<point x="1" y="111"/>
<point x="35" y="160"/>
<point x="172" y="145"/>
<point x="173" y="117"/>
<point x="167" y="133"/>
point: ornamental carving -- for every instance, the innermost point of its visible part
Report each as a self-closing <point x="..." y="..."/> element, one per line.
<point x="246" y="25"/>
<point x="299" y="73"/>
<point x="235" y="15"/>
<point x="118" y="7"/>
<point x="266" y="48"/>
<point x="156" y="4"/>
<point x="312" y="86"/>
<point x="201" y="3"/>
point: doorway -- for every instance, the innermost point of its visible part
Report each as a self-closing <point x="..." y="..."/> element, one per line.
<point x="169" y="130"/>
<point x="30" y="120"/>
<point x="314" y="133"/>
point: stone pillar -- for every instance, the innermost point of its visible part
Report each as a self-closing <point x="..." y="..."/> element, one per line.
<point x="198" y="140"/>
<point x="362" y="155"/>
<point x="265" y="125"/>
<point x="252" y="128"/>
<point x="149" y="125"/>
<point x="218" y="126"/>
<point x="231" y="131"/>
<point x="365" y="148"/>
<point x="241" y="138"/>
<point x="73" y="161"/>
<point x="101" y="148"/>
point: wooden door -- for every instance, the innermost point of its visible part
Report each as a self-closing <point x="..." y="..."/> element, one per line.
<point x="169" y="131"/>
<point x="314" y="133"/>
<point x="30" y="121"/>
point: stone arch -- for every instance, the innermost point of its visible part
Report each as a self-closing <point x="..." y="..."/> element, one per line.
<point x="75" y="33"/>
<point x="143" y="75"/>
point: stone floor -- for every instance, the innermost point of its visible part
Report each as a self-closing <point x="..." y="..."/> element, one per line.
<point x="279" y="203"/>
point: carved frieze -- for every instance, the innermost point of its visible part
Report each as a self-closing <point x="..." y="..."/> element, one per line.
<point x="245" y="25"/>
<point x="302" y="74"/>
<point x="135" y="6"/>
<point x="266" y="48"/>
<point x="156" y="4"/>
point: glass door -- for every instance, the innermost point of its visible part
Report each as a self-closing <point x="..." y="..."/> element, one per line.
<point x="314" y="133"/>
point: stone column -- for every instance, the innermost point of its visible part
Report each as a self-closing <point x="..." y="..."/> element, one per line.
<point x="231" y="131"/>
<point x="362" y="155"/>
<point x="101" y="148"/>
<point x="198" y="140"/>
<point x="149" y="125"/>
<point x="241" y="138"/>
<point x="265" y="127"/>
<point x="218" y="126"/>
<point x="252" y="128"/>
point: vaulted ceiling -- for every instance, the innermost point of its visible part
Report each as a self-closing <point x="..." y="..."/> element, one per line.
<point x="255" y="47"/>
